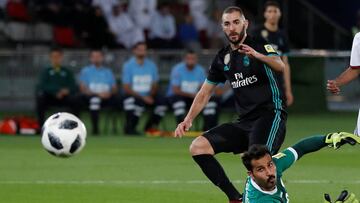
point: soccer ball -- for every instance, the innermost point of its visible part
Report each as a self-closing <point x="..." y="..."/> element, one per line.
<point x="63" y="135"/>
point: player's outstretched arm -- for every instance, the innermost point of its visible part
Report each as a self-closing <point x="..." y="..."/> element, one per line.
<point x="315" y="143"/>
<point x="200" y="100"/>
<point x="344" y="197"/>
<point x="344" y="78"/>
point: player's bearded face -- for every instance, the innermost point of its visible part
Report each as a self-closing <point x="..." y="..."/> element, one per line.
<point x="264" y="173"/>
<point x="235" y="37"/>
<point x="234" y="26"/>
<point x="96" y="58"/>
<point x="140" y="51"/>
<point x="190" y="60"/>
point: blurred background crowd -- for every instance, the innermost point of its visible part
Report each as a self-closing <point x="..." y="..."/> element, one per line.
<point x="96" y="46"/>
<point x="165" y="23"/>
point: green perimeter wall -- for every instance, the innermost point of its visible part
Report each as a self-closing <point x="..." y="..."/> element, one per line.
<point x="308" y="84"/>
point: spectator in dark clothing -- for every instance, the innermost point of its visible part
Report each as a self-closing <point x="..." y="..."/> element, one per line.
<point x="97" y="33"/>
<point x="188" y="35"/>
<point x="80" y="15"/>
<point x="56" y="87"/>
<point x="55" y="14"/>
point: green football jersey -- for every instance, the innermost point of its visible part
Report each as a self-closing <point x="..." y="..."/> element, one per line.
<point x="254" y="194"/>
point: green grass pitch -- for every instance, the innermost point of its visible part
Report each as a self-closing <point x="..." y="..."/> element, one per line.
<point x="114" y="168"/>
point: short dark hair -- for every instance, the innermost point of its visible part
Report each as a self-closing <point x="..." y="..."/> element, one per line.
<point x="271" y="3"/>
<point x="56" y="49"/>
<point x="232" y="9"/>
<point x="139" y="43"/>
<point x="96" y="50"/>
<point x="189" y="51"/>
<point x="255" y="152"/>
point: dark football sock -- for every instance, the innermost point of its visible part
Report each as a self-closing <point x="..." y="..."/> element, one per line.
<point x="95" y="121"/>
<point x="216" y="174"/>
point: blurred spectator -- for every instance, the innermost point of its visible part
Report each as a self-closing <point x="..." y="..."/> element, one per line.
<point x="80" y="15"/>
<point x="188" y="34"/>
<point x="141" y="11"/>
<point x="185" y="81"/>
<point x="126" y="32"/>
<point x="222" y="5"/>
<point x="163" y="28"/>
<point x="97" y="32"/>
<point x="60" y="16"/>
<point x="140" y="79"/>
<point x="3" y="4"/>
<point x="106" y="6"/>
<point x="55" y="14"/>
<point x="356" y="27"/>
<point x="56" y="87"/>
<point x="198" y="10"/>
<point x="216" y="35"/>
<point x="98" y="87"/>
<point x="271" y="32"/>
<point x="17" y="10"/>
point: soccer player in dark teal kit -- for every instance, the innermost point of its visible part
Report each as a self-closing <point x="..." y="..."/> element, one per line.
<point x="271" y="32"/>
<point x="253" y="69"/>
<point x="264" y="183"/>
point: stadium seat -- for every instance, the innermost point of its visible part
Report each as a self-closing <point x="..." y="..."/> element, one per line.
<point x="17" y="11"/>
<point x="64" y="36"/>
<point x="19" y="32"/>
<point x="42" y="32"/>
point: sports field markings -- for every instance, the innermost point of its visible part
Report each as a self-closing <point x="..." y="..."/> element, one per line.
<point x="153" y="182"/>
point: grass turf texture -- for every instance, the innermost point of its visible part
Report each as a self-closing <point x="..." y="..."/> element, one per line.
<point x="115" y="168"/>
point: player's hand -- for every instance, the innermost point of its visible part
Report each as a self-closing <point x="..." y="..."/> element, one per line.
<point x="333" y="87"/>
<point x="344" y="197"/>
<point x="340" y="138"/>
<point x="62" y="93"/>
<point x="148" y="100"/>
<point x="59" y="95"/>
<point x="182" y="128"/>
<point x="65" y="91"/>
<point x="249" y="51"/>
<point x="289" y="98"/>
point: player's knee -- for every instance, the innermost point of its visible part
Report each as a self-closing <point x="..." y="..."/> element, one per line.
<point x="200" y="145"/>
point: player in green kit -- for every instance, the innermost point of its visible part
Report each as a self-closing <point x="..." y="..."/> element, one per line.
<point x="264" y="183"/>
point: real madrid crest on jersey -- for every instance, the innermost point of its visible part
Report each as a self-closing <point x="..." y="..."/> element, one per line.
<point x="264" y="34"/>
<point x="226" y="62"/>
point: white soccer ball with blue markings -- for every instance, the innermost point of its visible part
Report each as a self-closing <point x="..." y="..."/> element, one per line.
<point x="63" y="135"/>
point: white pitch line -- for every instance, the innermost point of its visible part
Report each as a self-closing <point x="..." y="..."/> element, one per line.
<point x="152" y="182"/>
